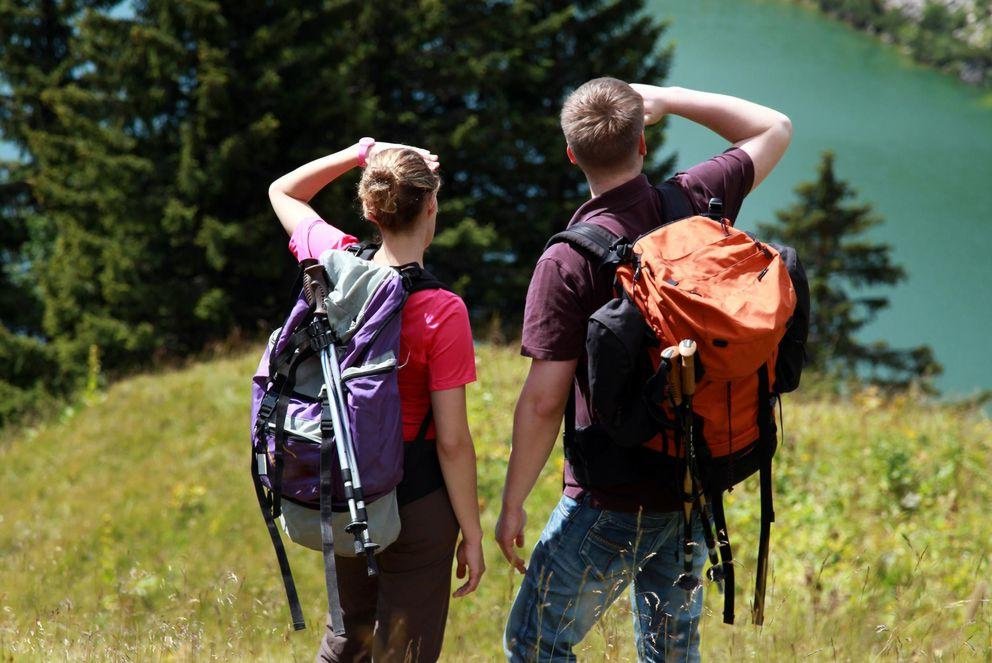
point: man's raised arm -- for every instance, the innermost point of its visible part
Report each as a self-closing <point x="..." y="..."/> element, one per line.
<point x="760" y="131"/>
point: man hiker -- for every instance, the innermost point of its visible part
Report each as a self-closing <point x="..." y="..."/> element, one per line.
<point x="599" y="541"/>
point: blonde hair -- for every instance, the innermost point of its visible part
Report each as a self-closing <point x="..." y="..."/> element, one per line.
<point x="395" y="186"/>
<point x="603" y="121"/>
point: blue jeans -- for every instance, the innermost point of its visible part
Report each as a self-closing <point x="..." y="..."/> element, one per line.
<point x="585" y="559"/>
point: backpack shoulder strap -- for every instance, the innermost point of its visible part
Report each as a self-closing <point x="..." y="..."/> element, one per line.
<point x="603" y="245"/>
<point x="611" y="249"/>
<point x="416" y="278"/>
<point x="674" y="202"/>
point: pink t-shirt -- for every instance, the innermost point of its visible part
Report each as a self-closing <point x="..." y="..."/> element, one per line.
<point x="436" y="351"/>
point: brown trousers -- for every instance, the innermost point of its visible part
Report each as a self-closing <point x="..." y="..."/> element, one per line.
<point x="400" y="614"/>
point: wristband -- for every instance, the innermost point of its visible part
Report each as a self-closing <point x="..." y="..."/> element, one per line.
<point x="364" y="145"/>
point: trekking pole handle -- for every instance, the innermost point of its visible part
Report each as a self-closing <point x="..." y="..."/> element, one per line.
<point x="669" y="355"/>
<point x="316" y="287"/>
<point x="687" y="348"/>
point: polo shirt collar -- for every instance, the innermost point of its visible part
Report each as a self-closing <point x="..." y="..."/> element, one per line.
<point x="615" y="200"/>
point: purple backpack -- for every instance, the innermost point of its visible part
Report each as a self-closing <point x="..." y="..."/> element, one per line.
<point x="297" y="476"/>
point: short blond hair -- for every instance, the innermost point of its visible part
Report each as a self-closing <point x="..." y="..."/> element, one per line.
<point x="603" y="121"/>
<point x="394" y="187"/>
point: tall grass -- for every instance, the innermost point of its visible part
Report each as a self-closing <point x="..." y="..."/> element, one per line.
<point x="129" y="531"/>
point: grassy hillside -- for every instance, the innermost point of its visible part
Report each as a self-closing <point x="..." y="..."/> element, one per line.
<point x="129" y="531"/>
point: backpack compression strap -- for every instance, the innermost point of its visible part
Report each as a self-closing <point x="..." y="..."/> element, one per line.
<point x="766" y="428"/>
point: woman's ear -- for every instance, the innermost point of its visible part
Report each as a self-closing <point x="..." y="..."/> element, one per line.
<point x="367" y="213"/>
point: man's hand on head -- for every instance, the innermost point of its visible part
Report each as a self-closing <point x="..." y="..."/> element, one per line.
<point x="655" y="106"/>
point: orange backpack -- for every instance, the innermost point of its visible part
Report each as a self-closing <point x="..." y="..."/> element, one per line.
<point x="730" y="294"/>
<point x="707" y="328"/>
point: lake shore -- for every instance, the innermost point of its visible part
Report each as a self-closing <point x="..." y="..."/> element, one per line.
<point x="953" y="36"/>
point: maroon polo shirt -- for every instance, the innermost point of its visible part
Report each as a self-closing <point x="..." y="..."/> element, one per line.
<point x="567" y="288"/>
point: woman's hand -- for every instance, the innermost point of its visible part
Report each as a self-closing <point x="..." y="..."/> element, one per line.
<point x="429" y="157"/>
<point x="470" y="558"/>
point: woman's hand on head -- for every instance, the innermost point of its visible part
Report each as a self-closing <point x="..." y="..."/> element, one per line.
<point x="432" y="161"/>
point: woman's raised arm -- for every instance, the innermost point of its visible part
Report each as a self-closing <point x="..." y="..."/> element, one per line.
<point x="290" y="195"/>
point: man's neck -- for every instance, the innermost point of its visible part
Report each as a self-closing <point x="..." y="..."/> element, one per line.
<point x="601" y="183"/>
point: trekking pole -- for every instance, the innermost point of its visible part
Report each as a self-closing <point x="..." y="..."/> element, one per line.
<point x="358" y="527"/>
<point x="670" y="356"/>
<point x="691" y="485"/>
<point x="318" y="287"/>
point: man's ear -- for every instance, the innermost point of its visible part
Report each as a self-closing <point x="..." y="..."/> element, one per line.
<point x="571" y="155"/>
<point x="642" y="146"/>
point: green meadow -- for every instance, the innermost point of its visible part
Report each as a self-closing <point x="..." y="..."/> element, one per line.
<point x="129" y="531"/>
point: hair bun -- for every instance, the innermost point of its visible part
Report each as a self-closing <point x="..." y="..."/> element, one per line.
<point x="381" y="187"/>
<point x="394" y="186"/>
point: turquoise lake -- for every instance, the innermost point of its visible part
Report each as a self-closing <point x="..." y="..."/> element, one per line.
<point x="914" y="143"/>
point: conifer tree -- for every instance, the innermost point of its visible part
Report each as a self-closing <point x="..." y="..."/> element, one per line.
<point x="158" y="173"/>
<point x="482" y="84"/>
<point x="36" y="57"/>
<point x="827" y="230"/>
<point x="170" y="119"/>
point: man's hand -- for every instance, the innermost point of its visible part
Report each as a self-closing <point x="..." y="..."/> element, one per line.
<point x="432" y="161"/>
<point x="469" y="556"/>
<point x="510" y="535"/>
<point x="655" y="106"/>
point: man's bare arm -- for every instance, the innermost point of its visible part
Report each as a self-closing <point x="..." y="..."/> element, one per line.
<point x="760" y="131"/>
<point x="536" y="422"/>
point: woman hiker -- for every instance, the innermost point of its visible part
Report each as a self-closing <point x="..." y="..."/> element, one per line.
<point x="401" y="614"/>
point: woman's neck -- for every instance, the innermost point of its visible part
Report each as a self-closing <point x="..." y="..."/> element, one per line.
<point x="400" y="250"/>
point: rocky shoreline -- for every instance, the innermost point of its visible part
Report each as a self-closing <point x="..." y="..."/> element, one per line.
<point x="954" y="36"/>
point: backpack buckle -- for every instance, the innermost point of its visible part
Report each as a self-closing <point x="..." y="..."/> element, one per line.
<point x="265" y="409"/>
<point x="326" y="422"/>
<point x="410" y="274"/>
<point x="623" y="249"/>
<point x="321" y="335"/>
<point x="620" y="252"/>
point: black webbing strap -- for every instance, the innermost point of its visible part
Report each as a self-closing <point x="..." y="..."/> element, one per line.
<point x="568" y="437"/>
<point x="765" y="448"/>
<point x="297" y="348"/>
<point x="424" y="426"/>
<point x="568" y="433"/>
<point x="334" y="611"/>
<point x="265" y="504"/>
<point x="726" y="555"/>
<point x="279" y="417"/>
<point x="270" y="502"/>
